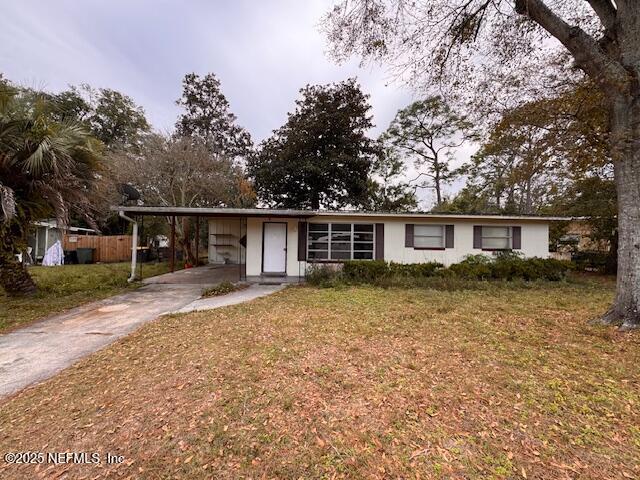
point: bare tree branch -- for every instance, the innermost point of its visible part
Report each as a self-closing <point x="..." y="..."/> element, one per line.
<point x="606" y="12"/>
<point x="588" y="54"/>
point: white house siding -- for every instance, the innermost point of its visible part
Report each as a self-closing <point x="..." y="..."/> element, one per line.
<point x="535" y="238"/>
<point x="534" y="241"/>
<point x="254" y="246"/>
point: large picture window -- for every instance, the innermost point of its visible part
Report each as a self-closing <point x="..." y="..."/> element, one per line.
<point x="340" y="241"/>
<point x="428" y="236"/>
<point x="496" y="238"/>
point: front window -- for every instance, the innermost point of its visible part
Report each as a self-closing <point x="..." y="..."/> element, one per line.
<point x="428" y="236"/>
<point x="340" y="241"/>
<point x="496" y="238"/>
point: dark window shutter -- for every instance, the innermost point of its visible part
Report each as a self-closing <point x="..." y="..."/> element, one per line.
<point x="302" y="241"/>
<point x="379" y="253"/>
<point x="516" y="240"/>
<point x="448" y="236"/>
<point x="477" y="236"/>
<point x="408" y="235"/>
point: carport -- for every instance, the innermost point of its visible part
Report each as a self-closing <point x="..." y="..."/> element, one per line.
<point x="226" y="234"/>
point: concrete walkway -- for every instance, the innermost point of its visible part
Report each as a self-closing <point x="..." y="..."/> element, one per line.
<point x="41" y="350"/>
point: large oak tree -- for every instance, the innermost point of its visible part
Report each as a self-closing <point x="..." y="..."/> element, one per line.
<point x="455" y="43"/>
<point x="321" y="157"/>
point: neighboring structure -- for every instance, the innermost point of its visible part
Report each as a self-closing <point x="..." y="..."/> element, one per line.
<point x="47" y="232"/>
<point x="105" y="248"/>
<point x="578" y="244"/>
<point x="267" y="242"/>
<point x="577" y="238"/>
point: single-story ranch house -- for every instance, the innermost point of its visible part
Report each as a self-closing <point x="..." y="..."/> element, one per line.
<point x="269" y="242"/>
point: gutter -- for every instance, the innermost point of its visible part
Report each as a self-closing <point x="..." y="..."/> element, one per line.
<point x="134" y="245"/>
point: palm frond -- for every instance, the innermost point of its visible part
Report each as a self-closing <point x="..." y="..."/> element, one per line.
<point x="48" y="167"/>
<point x="38" y="159"/>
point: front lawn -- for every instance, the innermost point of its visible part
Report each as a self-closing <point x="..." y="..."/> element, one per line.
<point x="363" y="382"/>
<point x="68" y="286"/>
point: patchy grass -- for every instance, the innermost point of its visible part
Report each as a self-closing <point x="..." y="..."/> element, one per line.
<point x="67" y="286"/>
<point x="224" y="288"/>
<point x="351" y="383"/>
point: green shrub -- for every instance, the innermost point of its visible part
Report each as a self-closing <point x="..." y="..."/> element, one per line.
<point x="473" y="267"/>
<point x="428" y="269"/>
<point x="321" y="275"/>
<point x="370" y="271"/>
<point x="365" y="271"/>
<point x="509" y="266"/>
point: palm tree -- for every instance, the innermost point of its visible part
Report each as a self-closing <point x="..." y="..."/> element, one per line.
<point x="47" y="168"/>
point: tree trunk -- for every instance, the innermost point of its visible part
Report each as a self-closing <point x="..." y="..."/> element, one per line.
<point x="625" y="140"/>
<point x="437" y="180"/>
<point x="315" y="200"/>
<point x="528" y="204"/>
<point x="436" y="186"/>
<point x="14" y="277"/>
<point x="438" y="193"/>
<point x="185" y="240"/>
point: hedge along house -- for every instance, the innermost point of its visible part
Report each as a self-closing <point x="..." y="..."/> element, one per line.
<point x="284" y="243"/>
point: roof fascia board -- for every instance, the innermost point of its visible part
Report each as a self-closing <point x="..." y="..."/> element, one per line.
<point x="258" y="212"/>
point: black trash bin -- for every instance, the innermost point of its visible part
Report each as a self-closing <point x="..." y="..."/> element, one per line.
<point x="85" y="255"/>
<point x="143" y="255"/>
<point x="70" y="257"/>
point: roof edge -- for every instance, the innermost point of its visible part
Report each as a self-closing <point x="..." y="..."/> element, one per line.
<point x="269" y="212"/>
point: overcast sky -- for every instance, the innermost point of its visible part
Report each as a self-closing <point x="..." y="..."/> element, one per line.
<point x="263" y="52"/>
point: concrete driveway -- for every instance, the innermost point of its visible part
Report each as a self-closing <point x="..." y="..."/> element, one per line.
<point x="205" y="275"/>
<point x="42" y="349"/>
<point x="39" y="351"/>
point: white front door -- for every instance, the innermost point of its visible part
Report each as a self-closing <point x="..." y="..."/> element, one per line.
<point x="274" y="248"/>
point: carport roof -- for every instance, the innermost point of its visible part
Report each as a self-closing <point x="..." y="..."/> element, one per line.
<point x="213" y="212"/>
<point x="270" y="212"/>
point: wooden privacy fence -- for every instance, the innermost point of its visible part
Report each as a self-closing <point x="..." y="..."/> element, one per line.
<point x="108" y="248"/>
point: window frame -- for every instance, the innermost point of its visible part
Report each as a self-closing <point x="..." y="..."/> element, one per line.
<point x="443" y="236"/>
<point x="496" y="249"/>
<point x="329" y="231"/>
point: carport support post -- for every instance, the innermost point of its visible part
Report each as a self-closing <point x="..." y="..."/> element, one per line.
<point x="172" y="248"/>
<point x="197" y="241"/>
<point x="134" y="245"/>
<point x="134" y="251"/>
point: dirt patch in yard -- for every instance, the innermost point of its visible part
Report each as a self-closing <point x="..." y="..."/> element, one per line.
<point x="351" y="383"/>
